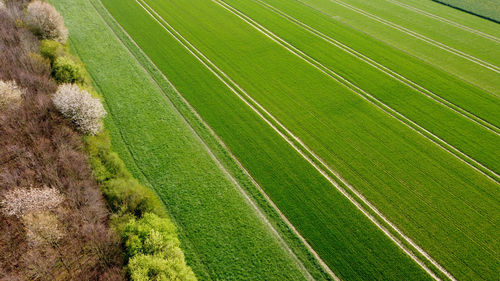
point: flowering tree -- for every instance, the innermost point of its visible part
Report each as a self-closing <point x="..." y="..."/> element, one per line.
<point x="20" y="201"/>
<point x="42" y="228"/>
<point x="79" y="106"/>
<point x="10" y="93"/>
<point x="46" y="21"/>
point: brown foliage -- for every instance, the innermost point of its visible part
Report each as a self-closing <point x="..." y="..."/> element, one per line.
<point x="39" y="149"/>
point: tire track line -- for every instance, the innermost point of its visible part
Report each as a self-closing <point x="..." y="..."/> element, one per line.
<point x="450" y="22"/>
<point x="396" y="76"/>
<point x="251" y="202"/>
<point x="414" y="34"/>
<point x="371" y="99"/>
<point x="214" y="69"/>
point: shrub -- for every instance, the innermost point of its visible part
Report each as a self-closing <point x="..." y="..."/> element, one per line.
<point x="10" y="93"/>
<point x="79" y="106"/>
<point x="65" y="70"/>
<point x="18" y="202"/>
<point x="106" y="164"/>
<point x="155" y="268"/>
<point x="46" y="22"/>
<point x="151" y="235"/>
<point x="129" y="196"/>
<point x="153" y="250"/>
<point x="52" y="49"/>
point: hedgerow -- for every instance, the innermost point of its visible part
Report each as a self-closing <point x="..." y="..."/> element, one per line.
<point x="148" y="236"/>
<point x="135" y="208"/>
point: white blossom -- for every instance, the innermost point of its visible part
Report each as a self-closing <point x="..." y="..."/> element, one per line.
<point x="20" y="201"/>
<point x="79" y="106"/>
<point x="46" y="21"/>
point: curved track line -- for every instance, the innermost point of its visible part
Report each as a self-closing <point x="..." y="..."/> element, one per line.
<point x="371" y="99"/>
<point x="396" y="76"/>
<point x="414" y="34"/>
<point x="213" y="68"/>
<point x="252" y="203"/>
<point x="450" y="22"/>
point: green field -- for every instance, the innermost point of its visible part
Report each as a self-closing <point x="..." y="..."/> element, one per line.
<point x="486" y="8"/>
<point x="277" y="108"/>
<point x="457" y="130"/>
<point x="453" y="37"/>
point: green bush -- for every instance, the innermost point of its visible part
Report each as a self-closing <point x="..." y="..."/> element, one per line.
<point x="66" y="70"/>
<point x="151" y="235"/>
<point x="152" y="247"/>
<point x="154" y="268"/>
<point x="51" y="49"/>
<point x="105" y="163"/>
<point x="127" y="195"/>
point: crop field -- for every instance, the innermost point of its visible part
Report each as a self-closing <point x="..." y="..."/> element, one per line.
<point x="489" y="9"/>
<point x="308" y="139"/>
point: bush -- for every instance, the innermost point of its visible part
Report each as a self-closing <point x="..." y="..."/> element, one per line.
<point x="52" y="49"/>
<point x="154" y="268"/>
<point x="65" y="70"/>
<point x="153" y="250"/>
<point x="79" y="106"/>
<point x="46" y="22"/>
<point x="10" y="94"/>
<point x="106" y="164"/>
<point x="129" y="196"/>
<point x="151" y="235"/>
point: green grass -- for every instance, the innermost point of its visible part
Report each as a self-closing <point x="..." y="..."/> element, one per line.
<point x="485" y="8"/>
<point x="464" y="41"/>
<point x="223" y="237"/>
<point x="404" y="175"/>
